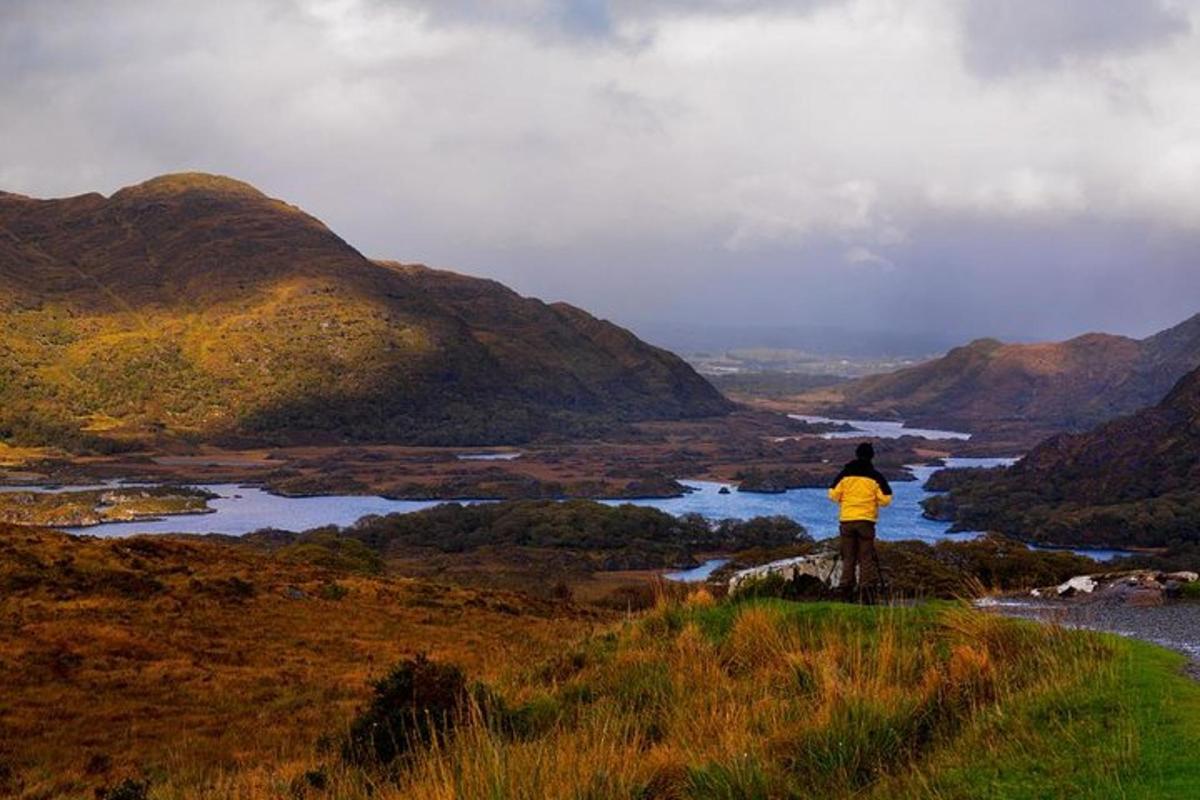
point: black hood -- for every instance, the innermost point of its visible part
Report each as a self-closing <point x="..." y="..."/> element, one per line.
<point x="863" y="468"/>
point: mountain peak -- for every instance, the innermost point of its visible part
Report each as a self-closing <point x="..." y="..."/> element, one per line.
<point x="179" y="183"/>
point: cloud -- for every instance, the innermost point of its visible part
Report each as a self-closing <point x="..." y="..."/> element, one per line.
<point x="1012" y="36"/>
<point x="657" y="158"/>
<point x="859" y="255"/>
<point x="1021" y="192"/>
<point x="601" y="20"/>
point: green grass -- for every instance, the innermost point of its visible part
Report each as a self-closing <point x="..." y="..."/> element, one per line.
<point x="1128" y="729"/>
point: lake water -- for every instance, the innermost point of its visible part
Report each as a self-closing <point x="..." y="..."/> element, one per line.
<point x="879" y="429"/>
<point x="812" y="508"/>
<point x="242" y="509"/>
<point x="488" y="456"/>
<point x="697" y="574"/>
<point x="239" y="510"/>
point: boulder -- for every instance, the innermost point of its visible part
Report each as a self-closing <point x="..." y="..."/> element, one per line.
<point x="1144" y="596"/>
<point x="825" y="567"/>
<point x="1080" y="584"/>
<point x="1182" y="577"/>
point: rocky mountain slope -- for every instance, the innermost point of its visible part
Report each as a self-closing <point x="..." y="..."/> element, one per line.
<point x="194" y="306"/>
<point x="1059" y="386"/>
<point x="1134" y="481"/>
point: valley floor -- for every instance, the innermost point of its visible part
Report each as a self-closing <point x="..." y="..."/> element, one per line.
<point x="644" y="462"/>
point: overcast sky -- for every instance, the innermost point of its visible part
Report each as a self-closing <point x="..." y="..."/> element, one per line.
<point x="1022" y="168"/>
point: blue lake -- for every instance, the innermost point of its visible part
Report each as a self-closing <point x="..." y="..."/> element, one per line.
<point x="242" y="509"/>
<point x="239" y="509"/>
<point x="879" y="429"/>
<point x="812" y="508"/>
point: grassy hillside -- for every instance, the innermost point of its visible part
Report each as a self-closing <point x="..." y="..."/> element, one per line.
<point x="163" y="668"/>
<point x="186" y="661"/>
<point x="193" y="306"/>
<point x="777" y="700"/>
<point x="1131" y="482"/>
<point x="1071" y="385"/>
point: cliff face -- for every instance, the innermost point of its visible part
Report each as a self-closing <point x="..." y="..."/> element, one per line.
<point x="194" y="305"/>
<point x="1070" y="386"/>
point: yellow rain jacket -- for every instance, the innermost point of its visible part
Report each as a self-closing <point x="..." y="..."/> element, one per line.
<point x="861" y="496"/>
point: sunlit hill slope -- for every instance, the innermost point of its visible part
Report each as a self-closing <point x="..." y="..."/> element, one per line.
<point x="195" y="306"/>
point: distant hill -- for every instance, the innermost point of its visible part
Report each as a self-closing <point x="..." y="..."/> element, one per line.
<point x="1134" y="481"/>
<point x="1059" y="386"/>
<point x="195" y="306"/>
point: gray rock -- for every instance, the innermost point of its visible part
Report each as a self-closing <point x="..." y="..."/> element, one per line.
<point x="825" y="567"/>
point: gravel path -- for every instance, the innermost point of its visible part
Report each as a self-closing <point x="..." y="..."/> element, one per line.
<point x="1175" y="625"/>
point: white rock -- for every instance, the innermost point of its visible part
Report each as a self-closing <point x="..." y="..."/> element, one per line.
<point x="1183" y="577"/>
<point x="826" y="568"/>
<point x="1084" y="584"/>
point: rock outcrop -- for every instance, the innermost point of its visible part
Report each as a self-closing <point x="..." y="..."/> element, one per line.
<point x="1133" y="588"/>
<point x="824" y="567"/>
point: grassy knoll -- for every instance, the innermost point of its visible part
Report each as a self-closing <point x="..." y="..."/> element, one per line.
<point x="211" y="670"/>
<point x="775" y="699"/>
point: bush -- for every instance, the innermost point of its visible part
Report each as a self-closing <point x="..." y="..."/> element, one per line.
<point x="128" y="789"/>
<point x="416" y="702"/>
<point x="332" y="591"/>
<point x="800" y="587"/>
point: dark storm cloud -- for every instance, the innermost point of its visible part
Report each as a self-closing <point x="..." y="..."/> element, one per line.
<point x="825" y="162"/>
<point x="1008" y="36"/>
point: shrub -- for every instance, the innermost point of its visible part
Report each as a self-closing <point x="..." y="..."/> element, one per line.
<point x="128" y="789"/>
<point x="416" y="702"/>
<point x="332" y="591"/>
<point x="740" y="779"/>
<point x="800" y="587"/>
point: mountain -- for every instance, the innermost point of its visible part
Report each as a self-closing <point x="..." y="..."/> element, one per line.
<point x="1134" y="481"/>
<point x="1059" y="386"/>
<point x="195" y="306"/>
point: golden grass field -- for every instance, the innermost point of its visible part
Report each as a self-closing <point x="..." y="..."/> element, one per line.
<point x="119" y="657"/>
<point x="202" y="670"/>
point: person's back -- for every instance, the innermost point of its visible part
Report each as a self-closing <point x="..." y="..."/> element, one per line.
<point x="861" y="491"/>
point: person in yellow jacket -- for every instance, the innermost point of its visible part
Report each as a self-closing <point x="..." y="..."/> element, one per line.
<point x="861" y="491"/>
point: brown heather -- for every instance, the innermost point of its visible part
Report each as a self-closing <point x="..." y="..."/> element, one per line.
<point x="213" y="670"/>
<point x="200" y="661"/>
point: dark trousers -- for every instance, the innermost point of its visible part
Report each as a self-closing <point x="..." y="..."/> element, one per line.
<point x="857" y="540"/>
